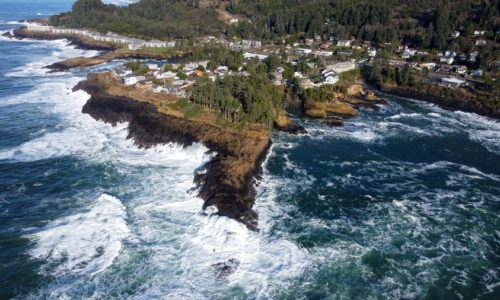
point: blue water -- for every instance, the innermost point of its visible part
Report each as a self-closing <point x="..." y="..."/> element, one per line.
<point x="401" y="203"/>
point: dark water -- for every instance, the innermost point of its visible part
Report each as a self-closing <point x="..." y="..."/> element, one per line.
<point x="401" y="203"/>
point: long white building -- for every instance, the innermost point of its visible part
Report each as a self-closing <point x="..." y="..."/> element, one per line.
<point x="133" y="44"/>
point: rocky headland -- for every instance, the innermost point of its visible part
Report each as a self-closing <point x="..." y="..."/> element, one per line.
<point x="485" y="104"/>
<point x="76" y="40"/>
<point x="111" y="51"/>
<point x="342" y="105"/>
<point x="227" y="181"/>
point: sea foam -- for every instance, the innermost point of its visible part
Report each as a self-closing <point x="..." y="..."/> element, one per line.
<point x="86" y="242"/>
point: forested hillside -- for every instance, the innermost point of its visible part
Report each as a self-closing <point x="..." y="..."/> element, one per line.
<point x="422" y="23"/>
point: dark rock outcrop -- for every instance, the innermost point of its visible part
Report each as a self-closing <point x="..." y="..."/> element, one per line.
<point x="228" y="182"/>
<point x="447" y="98"/>
<point x="224" y="269"/>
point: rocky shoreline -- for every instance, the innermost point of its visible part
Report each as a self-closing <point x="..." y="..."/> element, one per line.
<point x="228" y="179"/>
<point x="111" y="51"/>
<point x="457" y="102"/>
<point x="80" y="42"/>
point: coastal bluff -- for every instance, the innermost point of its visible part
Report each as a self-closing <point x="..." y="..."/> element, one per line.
<point x="227" y="180"/>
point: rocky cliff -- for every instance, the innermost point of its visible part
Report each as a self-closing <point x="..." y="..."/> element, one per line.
<point x="228" y="182"/>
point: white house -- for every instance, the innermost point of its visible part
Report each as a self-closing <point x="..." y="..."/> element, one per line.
<point x="155" y="44"/>
<point x="446" y="60"/>
<point x="473" y="56"/>
<point x="452" y="82"/>
<point x="303" y="51"/>
<point x="132" y="79"/>
<point x="248" y="55"/>
<point x="341" y="67"/>
<point x="298" y="75"/>
<point x="477" y="73"/>
<point x="480" y="42"/>
<point x="455" y="34"/>
<point x="157" y="89"/>
<point x="372" y="52"/>
<point x="323" y="53"/>
<point x="331" y="79"/>
<point x="153" y="67"/>
<point x="344" y="43"/>
<point x="430" y="66"/>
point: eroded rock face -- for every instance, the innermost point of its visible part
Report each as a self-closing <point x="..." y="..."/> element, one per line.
<point x="229" y="180"/>
<point x="283" y="123"/>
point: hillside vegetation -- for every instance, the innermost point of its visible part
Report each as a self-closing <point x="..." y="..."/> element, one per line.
<point x="422" y="23"/>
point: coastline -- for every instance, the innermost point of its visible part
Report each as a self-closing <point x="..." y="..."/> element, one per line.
<point x="229" y="178"/>
<point x="111" y="51"/>
<point x="450" y="103"/>
<point x="75" y="40"/>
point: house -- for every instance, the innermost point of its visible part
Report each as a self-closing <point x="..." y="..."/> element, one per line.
<point x="303" y="51"/>
<point x="132" y="79"/>
<point x="450" y="53"/>
<point x="135" y="46"/>
<point x="248" y="55"/>
<point x="477" y="73"/>
<point x="178" y="82"/>
<point x="323" y="53"/>
<point x="307" y="83"/>
<point x="446" y="60"/>
<point x="222" y="69"/>
<point x="233" y="21"/>
<point x="479" y="32"/>
<point x="455" y="34"/>
<point x="344" y="53"/>
<point x="372" y="52"/>
<point x="157" y="89"/>
<point x="332" y="79"/>
<point x="344" y="43"/>
<point x="429" y="66"/>
<point x="309" y="42"/>
<point x="408" y="52"/>
<point x="461" y="70"/>
<point x="325" y="73"/>
<point x="452" y="82"/>
<point x="165" y="75"/>
<point x="245" y="44"/>
<point x="153" y="67"/>
<point x="480" y="42"/>
<point x="155" y="44"/>
<point x="341" y="67"/>
<point x="473" y="56"/>
<point x="298" y="75"/>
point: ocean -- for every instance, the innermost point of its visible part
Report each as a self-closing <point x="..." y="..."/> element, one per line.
<point x="402" y="203"/>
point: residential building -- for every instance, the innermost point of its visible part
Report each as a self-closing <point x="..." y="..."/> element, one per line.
<point x="332" y="79"/>
<point x="480" y="42"/>
<point x="372" y="52"/>
<point x="446" y="60"/>
<point x="344" y="43"/>
<point x="248" y="55"/>
<point x="341" y="67"/>
<point x="132" y="79"/>
<point x="452" y="82"/>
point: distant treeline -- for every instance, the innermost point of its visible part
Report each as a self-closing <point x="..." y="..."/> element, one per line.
<point x="161" y="19"/>
<point x="422" y="23"/>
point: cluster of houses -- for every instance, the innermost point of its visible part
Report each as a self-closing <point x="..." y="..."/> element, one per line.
<point x="447" y="62"/>
<point x="131" y="43"/>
